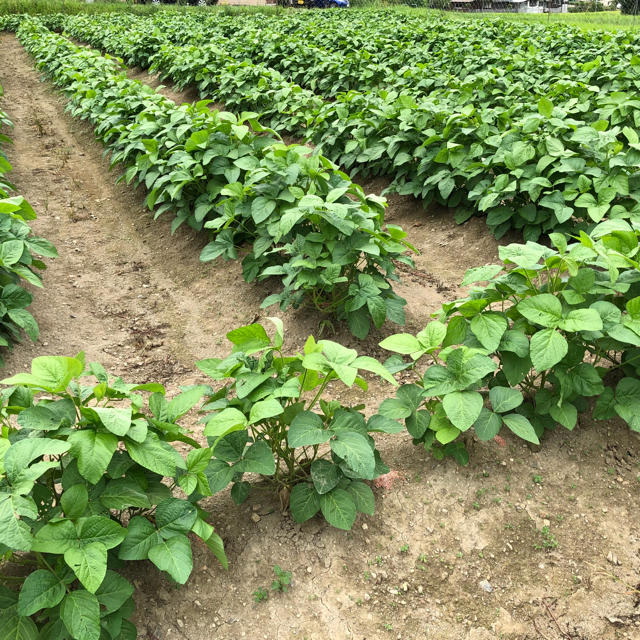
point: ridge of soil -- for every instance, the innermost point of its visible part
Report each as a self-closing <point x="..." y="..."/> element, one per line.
<point x="452" y="552"/>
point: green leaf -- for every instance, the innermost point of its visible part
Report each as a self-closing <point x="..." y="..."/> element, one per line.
<point x="505" y="399"/>
<point x="124" y="492"/>
<point x="174" y="557"/>
<point x="155" y="455"/>
<point x="325" y="475"/>
<point x="304" y="502"/>
<point x="51" y="373"/>
<point x="447" y="434"/>
<point x="481" y="274"/>
<point x="40" y="590"/>
<point x="113" y="592"/>
<point x="225" y="422"/>
<point x="581" y="320"/>
<point x="307" y="429"/>
<point x="115" y="420"/>
<point x="627" y="402"/>
<point x="363" y="497"/>
<point x="219" y="475"/>
<point x="17" y="627"/>
<point x="249" y="339"/>
<point x="174" y="515"/>
<point x="55" y="537"/>
<point x="566" y="414"/>
<point x="547" y="348"/>
<point x="93" y="451"/>
<point x="403" y="343"/>
<point x="80" y="612"/>
<point x="141" y="536"/>
<point x="100" y="529"/>
<point x="489" y="328"/>
<point x="488" y="424"/>
<point x="198" y="459"/>
<point x="356" y="451"/>
<point x="216" y="546"/>
<point x="545" y="107"/>
<point x="22" y="453"/>
<point x="338" y="508"/>
<point x="264" y="410"/>
<point x="89" y="563"/>
<point x="521" y="427"/>
<point x="372" y="365"/>
<point x="184" y="402"/>
<point x="74" y="500"/>
<point x="258" y="458"/>
<point x="462" y="408"/>
<point x="544" y="309"/>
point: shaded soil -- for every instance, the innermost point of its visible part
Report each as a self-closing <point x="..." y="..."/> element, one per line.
<point x="451" y="553"/>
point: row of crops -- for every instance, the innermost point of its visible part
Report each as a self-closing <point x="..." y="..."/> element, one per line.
<point x="19" y="251"/>
<point x="535" y="127"/>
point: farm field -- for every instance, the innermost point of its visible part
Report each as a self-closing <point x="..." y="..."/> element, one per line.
<point x="434" y="149"/>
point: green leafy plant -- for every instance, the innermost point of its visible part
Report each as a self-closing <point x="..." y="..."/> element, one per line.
<point x="282" y="581"/>
<point x="529" y="349"/>
<point x="307" y="222"/>
<point x="547" y="541"/>
<point x="18" y="261"/>
<point x="260" y="595"/>
<point x="87" y="479"/>
<point x="272" y="419"/>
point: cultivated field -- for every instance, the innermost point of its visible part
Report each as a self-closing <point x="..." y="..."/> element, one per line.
<point x="451" y="208"/>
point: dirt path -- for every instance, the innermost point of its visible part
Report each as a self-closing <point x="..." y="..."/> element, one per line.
<point x="451" y="553"/>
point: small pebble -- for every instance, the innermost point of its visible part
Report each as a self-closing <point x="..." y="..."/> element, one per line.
<point x="485" y="585"/>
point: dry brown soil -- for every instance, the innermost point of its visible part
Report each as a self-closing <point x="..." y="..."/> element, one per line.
<point x="451" y="552"/>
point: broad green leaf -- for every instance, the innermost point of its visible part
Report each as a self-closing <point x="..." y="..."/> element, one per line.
<point x="124" y="492"/>
<point x="80" y="612"/>
<point x="307" y="429"/>
<point x="325" y="475"/>
<point x="51" y="373"/>
<point x="447" y="434"/>
<point x="356" y="451"/>
<point x="488" y="424"/>
<point x="505" y="399"/>
<point x="264" y="410"/>
<point x="481" y="274"/>
<point x="115" y="420"/>
<point x="338" y="508"/>
<point x="174" y="515"/>
<point x="249" y="339"/>
<point x="566" y="414"/>
<point x="225" y="422"/>
<point x="489" y="328"/>
<point x="40" y="590"/>
<point x="521" y="427"/>
<point x="141" y="536"/>
<point x="93" y="451"/>
<point x="403" y="343"/>
<point x="113" y="592"/>
<point x="304" y="502"/>
<point x="363" y="497"/>
<point x="627" y="402"/>
<point x="100" y="529"/>
<point x="74" y="500"/>
<point x="155" y="455"/>
<point x="216" y="546"/>
<point x="258" y="458"/>
<point x="174" y="557"/>
<point x="372" y="365"/>
<point x="16" y="627"/>
<point x="547" y="348"/>
<point x="184" y="402"/>
<point x="56" y="537"/>
<point x="14" y="533"/>
<point x="462" y="408"/>
<point x="89" y="563"/>
<point x="581" y="320"/>
<point x="544" y="309"/>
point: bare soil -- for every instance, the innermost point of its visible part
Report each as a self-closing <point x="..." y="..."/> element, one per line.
<point x="451" y="552"/>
